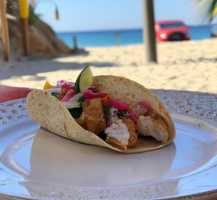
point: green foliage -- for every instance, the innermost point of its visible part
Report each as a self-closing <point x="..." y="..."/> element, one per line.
<point x="33" y="17"/>
<point x="212" y="9"/>
<point x="213" y="5"/>
<point x="207" y="9"/>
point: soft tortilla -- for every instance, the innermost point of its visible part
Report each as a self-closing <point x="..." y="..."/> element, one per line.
<point x="52" y="115"/>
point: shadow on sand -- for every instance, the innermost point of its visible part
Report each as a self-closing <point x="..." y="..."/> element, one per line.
<point x="197" y="60"/>
<point x="32" y="68"/>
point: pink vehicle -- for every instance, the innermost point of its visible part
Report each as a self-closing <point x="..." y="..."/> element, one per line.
<point x="171" y="30"/>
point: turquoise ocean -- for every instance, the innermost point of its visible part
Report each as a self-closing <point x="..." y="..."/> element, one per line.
<point x="121" y="37"/>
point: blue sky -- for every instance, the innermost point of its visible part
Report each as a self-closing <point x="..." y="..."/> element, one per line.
<point x="84" y="15"/>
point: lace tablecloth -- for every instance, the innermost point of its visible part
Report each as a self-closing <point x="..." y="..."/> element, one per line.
<point x="194" y="104"/>
<point x="198" y="105"/>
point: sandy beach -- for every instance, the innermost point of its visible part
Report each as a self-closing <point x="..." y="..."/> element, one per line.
<point x="189" y="66"/>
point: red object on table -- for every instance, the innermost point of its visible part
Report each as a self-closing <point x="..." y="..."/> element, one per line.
<point x="9" y="93"/>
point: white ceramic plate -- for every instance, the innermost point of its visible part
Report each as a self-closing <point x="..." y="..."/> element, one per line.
<point x="35" y="164"/>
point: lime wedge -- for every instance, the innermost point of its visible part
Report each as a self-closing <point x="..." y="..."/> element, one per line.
<point x="84" y="80"/>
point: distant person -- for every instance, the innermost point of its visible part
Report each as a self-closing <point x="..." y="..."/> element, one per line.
<point x="75" y="42"/>
<point x="117" y="38"/>
<point x="214" y="30"/>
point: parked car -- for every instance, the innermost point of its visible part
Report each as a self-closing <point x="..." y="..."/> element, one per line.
<point x="214" y="31"/>
<point x="171" y="30"/>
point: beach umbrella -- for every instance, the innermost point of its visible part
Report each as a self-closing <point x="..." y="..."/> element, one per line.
<point x="149" y="31"/>
<point x="4" y="30"/>
<point x="24" y="19"/>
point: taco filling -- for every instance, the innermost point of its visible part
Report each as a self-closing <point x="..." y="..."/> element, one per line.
<point x="119" y="122"/>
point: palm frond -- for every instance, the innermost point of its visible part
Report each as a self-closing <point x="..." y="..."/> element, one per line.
<point x="213" y="9"/>
<point x="207" y="9"/>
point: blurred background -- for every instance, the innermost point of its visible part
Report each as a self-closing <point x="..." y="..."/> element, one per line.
<point x="55" y="39"/>
<point x="108" y="23"/>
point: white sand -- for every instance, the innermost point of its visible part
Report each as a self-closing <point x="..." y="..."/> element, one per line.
<point x="188" y="66"/>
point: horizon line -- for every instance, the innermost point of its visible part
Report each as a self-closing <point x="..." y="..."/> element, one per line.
<point x="116" y="30"/>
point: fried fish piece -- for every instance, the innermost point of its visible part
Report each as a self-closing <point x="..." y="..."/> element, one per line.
<point x="133" y="139"/>
<point x="122" y="134"/>
<point x="80" y="120"/>
<point x="93" y="115"/>
<point x="118" y="134"/>
<point x="114" y="142"/>
<point x="148" y="126"/>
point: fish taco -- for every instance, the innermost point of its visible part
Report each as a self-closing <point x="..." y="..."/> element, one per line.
<point x="107" y="111"/>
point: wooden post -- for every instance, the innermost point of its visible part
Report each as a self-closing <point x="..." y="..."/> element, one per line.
<point x="24" y="20"/>
<point x="4" y="30"/>
<point x="149" y="32"/>
<point x="25" y="35"/>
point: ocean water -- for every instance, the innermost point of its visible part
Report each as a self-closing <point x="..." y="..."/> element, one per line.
<point x="121" y="37"/>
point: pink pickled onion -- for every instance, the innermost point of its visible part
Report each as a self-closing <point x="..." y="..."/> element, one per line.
<point x="68" y="95"/>
<point x="89" y="94"/>
<point x="119" y="105"/>
<point x="67" y="84"/>
<point x="134" y="116"/>
<point x="65" y="88"/>
<point x="145" y="104"/>
<point x="60" y="83"/>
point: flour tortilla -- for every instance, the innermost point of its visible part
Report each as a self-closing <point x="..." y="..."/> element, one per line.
<point x="52" y="115"/>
